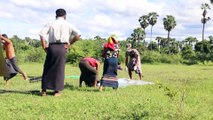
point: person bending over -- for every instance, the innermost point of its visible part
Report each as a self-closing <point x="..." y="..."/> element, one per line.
<point x="89" y="71"/>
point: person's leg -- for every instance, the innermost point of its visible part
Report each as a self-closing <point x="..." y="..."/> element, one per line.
<point x="130" y="74"/>
<point x="101" y="88"/>
<point x="140" y="76"/>
<point x="16" y="68"/>
<point x="81" y="67"/>
<point x="95" y="83"/>
<point x="43" y="92"/>
<point x="7" y="82"/>
<point x="80" y="83"/>
<point x="57" y="93"/>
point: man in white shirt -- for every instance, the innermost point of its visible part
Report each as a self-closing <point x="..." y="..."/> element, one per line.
<point x="59" y="38"/>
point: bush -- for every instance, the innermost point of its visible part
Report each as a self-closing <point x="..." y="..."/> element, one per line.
<point x="156" y="57"/>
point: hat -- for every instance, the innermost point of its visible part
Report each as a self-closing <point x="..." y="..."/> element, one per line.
<point x="113" y="39"/>
<point x="60" y="12"/>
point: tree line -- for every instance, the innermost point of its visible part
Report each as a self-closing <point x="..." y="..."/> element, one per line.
<point x="159" y="50"/>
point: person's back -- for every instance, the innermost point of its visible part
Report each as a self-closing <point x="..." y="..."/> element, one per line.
<point x="8" y="47"/>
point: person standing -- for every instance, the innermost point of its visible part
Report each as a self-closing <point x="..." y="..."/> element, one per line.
<point x="110" y="54"/>
<point x="11" y="62"/>
<point x="133" y="61"/>
<point x="89" y="68"/>
<point x="59" y="38"/>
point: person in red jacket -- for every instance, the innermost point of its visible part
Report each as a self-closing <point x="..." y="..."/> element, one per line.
<point x="89" y="71"/>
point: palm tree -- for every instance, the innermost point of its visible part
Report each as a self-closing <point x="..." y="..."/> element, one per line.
<point x="153" y="16"/>
<point x="190" y="40"/>
<point x="204" y="7"/>
<point x="169" y="24"/>
<point x="158" y="39"/>
<point x="143" y="20"/>
<point x="138" y="35"/>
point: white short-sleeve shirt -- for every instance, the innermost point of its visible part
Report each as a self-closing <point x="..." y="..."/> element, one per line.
<point x="59" y="31"/>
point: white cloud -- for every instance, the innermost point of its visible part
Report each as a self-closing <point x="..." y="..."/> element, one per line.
<point x="98" y="17"/>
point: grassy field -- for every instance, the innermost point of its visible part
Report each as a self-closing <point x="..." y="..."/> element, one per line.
<point x="180" y="93"/>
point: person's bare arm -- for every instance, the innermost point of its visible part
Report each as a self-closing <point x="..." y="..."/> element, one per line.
<point x="5" y="39"/>
<point x="76" y="38"/>
<point x="126" y="61"/>
<point x="136" y="60"/>
<point x="43" y="43"/>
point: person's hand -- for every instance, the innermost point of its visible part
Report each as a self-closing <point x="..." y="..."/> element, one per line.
<point x="126" y="68"/>
<point x="67" y="45"/>
<point x="45" y="48"/>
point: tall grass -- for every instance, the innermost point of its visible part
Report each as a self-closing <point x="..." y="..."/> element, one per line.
<point x="180" y="92"/>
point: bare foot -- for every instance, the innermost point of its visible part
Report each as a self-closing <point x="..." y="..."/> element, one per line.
<point x="43" y="93"/>
<point x="101" y="88"/>
<point x="7" y="82"/>
<point x="57" y="94"/>
<point x="25" y="76"/>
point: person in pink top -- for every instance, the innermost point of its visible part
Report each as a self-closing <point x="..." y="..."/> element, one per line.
<point x="89" y="71"/>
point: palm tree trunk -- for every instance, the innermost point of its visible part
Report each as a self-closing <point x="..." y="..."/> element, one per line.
<point x="203" y="31"/>
<point x="168" y="35"/>
<point x="168" y="41"/>
<point x="159" y="44"/>
<point x="151" y="33"/>
<point x="151" y="37"/>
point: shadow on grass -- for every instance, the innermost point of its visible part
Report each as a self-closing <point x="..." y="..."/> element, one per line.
<point x="31" y="92"/>
<point x="37" y="92"/>
<point x="76" y="88"/>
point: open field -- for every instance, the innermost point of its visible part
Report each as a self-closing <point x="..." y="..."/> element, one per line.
<point x="180" y="92"/>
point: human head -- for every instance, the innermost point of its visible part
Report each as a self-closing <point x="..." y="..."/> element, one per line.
<point x="4" y="35"/>
<point x="60" y="12"/>
<point x="128" y="47"/>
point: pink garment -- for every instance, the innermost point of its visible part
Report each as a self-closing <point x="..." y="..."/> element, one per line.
<point x="91" y="61"/>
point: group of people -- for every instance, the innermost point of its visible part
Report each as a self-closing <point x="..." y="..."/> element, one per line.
<point x="59" y="34"/>
<point x="89" y="66"/>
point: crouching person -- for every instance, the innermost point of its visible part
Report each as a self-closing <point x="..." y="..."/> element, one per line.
<point x="89" y="71"/>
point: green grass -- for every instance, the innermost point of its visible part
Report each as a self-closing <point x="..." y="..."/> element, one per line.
<point x="180" y="92"/>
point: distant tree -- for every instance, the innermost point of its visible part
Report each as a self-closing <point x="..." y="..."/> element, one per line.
<point x="190" y="40"/>
<point x="173" y="46"/>
<point x="203" y="47"/>
<point x="169" y="24"/>
<point x="138" y="35"/>
<point x="187" y="52"/>
<point x="204" y="7"/>
<point x="153" y="46"/>
<point x="158" y="39"/>
<point x="97" y="37"/>
<point x="211" y="43"/>
<point x="144" y="21"/>
<point x="180" y="44"/>
<point x="153" y="16"/>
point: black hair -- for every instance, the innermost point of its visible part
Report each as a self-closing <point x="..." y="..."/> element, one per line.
<point x="60" y="12"/>
<point x="4" y="35"/>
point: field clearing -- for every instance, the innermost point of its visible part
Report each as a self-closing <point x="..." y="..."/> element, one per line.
<point x="180" y="92"/>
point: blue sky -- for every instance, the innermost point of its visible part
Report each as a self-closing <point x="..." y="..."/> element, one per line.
<point x="25" y="18"/>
